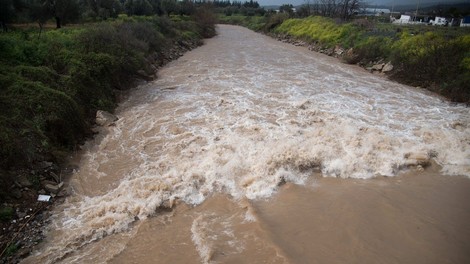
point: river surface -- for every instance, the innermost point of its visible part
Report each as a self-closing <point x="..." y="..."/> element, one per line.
<point x="250" y="150"/>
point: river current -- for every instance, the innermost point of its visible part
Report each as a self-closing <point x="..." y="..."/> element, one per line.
<point x="250" y="150"/>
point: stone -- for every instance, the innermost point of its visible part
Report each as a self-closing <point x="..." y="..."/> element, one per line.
<point x="45" y="165"/>
<point x="53" y="188"/>
<point x="44" y="182"/>
<point x="104" y="118"/>
<point x="55" y="177"/>
<point x="387" y="67"/>
<point x="378" y="67"/>
<point x="339" y="51"/>
<point x="16" y="193"/>
<point x="417" y="159"/>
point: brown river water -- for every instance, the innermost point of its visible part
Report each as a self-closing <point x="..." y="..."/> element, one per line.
<point x="249" y="150"/>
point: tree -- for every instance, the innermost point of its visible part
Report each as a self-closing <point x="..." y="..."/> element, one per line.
<point x="138" y="7"/>
<point x="347" y="8"/>
<point x="287" y="8"/>
<point x="105" y="8"/>
<point x="38" y="13"/>
<point x="8" y="11"/>
<point x="63" y="11"/>
<point x="305" y="10"/>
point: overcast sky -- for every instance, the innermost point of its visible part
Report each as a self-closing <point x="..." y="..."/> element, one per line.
<point x="372" y="2"/>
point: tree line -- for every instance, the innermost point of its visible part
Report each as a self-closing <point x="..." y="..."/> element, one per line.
<point x="343" y="9"/>
<point x="70" y="11"/>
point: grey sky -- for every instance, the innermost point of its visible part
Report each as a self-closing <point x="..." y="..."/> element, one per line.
<point x="373" y="2"/>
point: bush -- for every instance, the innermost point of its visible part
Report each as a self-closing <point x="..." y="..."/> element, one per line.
<point x="372" y="49"/>
<point x="51" y="87"/>
<point x="6" y="214"/>
<point x="320" y="29"/>
<point x="205" y="19"/>
<point x="432" y="60"/>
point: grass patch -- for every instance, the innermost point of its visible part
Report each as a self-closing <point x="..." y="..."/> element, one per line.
<point x="6" y="214"/>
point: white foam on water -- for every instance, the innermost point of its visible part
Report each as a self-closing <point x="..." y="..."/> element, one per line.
<point x="212" y="233"/>
<point x="243" y="120"/>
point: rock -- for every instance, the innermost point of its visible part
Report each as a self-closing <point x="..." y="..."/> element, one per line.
<point x="417" y="159"/>
<point x="387" y="67"/>
<point x="457" y="125"/>
<point x="104" y="118"/>
<point x="55" y="177"/>
<point x="378" y="67"/>
<point x="53" y="188"/>
<point x="45" y="165"/>
<point x="44" y="182"/>
<point x="339" y="51"/>
<point x="16" y="193"/>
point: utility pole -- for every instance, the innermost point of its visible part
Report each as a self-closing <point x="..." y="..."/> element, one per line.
<point x="417" y="8"/>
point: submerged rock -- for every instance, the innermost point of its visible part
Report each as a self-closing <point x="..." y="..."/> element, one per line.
<point x="417" y="159"/>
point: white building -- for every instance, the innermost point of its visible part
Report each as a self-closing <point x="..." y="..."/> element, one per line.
<point x="404" y="19"/>
<point x="465" y="22"/>
<point x="439" y="21"/>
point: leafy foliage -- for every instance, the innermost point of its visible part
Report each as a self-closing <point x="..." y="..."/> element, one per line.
<point x="6" y="213"/>
<point x="52" y="86"/>
<point x="320" y="29"/>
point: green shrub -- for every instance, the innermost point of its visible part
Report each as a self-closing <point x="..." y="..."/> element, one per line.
<point x="372" y="49"/>
<point x="6" y="214"/>
<point x="51" y="87"/>
<point x="430" y="59"/>
<point x="320" y="29"/>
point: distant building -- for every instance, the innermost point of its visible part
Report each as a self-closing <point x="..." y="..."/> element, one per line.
<point x="439" y="21"/>
<point x="465" y="22"/>
<point x="376" y="11"/>
<point x="404" y="19"/>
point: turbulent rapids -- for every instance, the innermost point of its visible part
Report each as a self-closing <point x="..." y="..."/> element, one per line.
<point x="239" y="117"/>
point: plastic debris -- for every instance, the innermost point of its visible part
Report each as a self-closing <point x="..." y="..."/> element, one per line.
<point x="44" y="198"/>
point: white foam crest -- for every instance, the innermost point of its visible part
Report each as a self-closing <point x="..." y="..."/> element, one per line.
<point x="212" y="233"/>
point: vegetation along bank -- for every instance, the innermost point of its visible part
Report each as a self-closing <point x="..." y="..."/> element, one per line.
<point x="55" y="76"/>
<point x="432" y="57"/>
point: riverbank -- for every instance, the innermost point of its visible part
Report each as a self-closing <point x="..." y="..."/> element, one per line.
<point x="434" y="58"/>
<point x="52" y="88"/>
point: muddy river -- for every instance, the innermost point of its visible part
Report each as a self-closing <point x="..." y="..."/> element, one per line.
<point x="250" y="150"/>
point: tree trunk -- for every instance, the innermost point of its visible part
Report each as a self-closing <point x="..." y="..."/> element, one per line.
<point x="3" y="25"/>
<point x="57" y="21"/>
<point x="40" y="29"/>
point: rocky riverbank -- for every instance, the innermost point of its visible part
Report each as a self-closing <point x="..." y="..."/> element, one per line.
<point x="347" y="55"/>
<point x="23" y="217"/>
